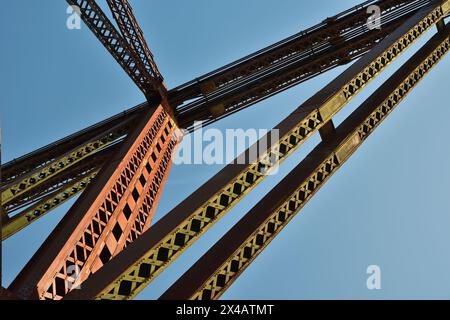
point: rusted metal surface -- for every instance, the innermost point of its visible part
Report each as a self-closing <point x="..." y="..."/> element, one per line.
<point x="95" y="228"/>
<point x="19" y="221"/>
<point x="25" y="183"/>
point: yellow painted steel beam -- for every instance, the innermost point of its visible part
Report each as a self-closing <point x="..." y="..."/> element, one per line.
<point x="22" y="220"/>
<point x="446" y="8"/>
<point x="27" y="182"/>
<point x="213" y="274"/>
<point x="128" y="274"/>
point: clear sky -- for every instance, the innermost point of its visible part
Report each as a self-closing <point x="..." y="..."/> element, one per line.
<point x="388" y="206"/>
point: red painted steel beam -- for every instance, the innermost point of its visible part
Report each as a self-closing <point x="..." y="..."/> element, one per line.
<point x="112" y="212"/>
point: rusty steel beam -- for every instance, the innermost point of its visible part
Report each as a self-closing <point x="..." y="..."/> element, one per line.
<point x="212" y="274"/>
<point x="134" y="268"/>
<point x="54" y="193"/>
<point x="126" y="190"/>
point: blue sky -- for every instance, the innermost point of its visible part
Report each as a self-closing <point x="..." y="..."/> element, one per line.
<point x="389" y="205"/>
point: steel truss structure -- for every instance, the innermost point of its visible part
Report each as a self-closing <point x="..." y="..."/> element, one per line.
<point x="118" y="167"/>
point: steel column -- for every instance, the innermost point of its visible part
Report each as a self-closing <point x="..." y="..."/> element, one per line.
<point x="92" y="232"/>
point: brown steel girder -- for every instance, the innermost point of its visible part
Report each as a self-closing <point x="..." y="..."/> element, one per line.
<point x="104" y="218"/>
